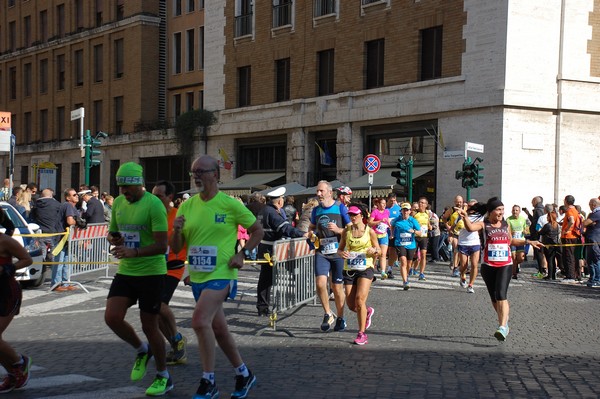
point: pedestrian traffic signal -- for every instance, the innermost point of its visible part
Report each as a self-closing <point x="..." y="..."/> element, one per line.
<point x="92" y="153"/>
<point x="470" y="175"/>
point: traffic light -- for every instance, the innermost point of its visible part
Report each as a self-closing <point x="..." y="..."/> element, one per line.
<point x="92" y="152"/>
<point x="477" y="176"/>
<point x="402" y="174"/>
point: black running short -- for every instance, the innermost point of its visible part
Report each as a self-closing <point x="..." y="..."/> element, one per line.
<point x="10" y="296"/>
<point x="145" y="289"/>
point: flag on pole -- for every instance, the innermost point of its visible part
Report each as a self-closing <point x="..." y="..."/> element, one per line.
<point x="225" y="162"/>
<point x="324" y="154"/>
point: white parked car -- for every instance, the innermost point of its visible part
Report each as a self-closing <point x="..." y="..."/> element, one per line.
<point x="32" y="275"/>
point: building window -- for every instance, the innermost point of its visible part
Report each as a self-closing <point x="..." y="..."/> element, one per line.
<point x="119" y="115"/>
<point x="98" y="63"/>
<point x="173" y="168"/>
<point x="243" y="18"/>
<point x="98" y="8"/>
<point x="325" y="67"/>
<point x="11" y="3"/>
<point x="25" y="174"/>
<point x="78" y="15"/>
<point x="97" y="115"/>
<point x="27" y="80"/>
<point x="431" y="53"/>
<point x="177" y="52"/>
<point x="262" y="157"/>
<point x="75" y="166"/>
<point x="324" y="7"/>
<point x="200" y="4"/>
<point x="119" y="58"/>
<point x="12" y="76"/>
<point x="190" y="49"/>
<point x="43" y="26"/>
<point x="43" y="125"/>
<point x="44" y="76"/>
<point x="189" y="100"/>
<point x="60" y="20"/>
<point x="177" y="7"/>
<point x="27" y="31"/>
<point x="78" y="67"/>
<point x="177" y="105"/>
<point x="374" y="63"/>
<point x="325" y="151"/>
<point x="201" y="47"/>
<point x="282" y="79"/>
<point x="27" y="125"/>
<point x="190" y="5"/>
<point x="244" y="85"/>
<point x="60" y="72"/>
<point x="282" y="13"/>
<point x="201" y="99"/>
<point x="120" y="9"/>
<point x="60" y="122"/>
<point x="12" y="36"/>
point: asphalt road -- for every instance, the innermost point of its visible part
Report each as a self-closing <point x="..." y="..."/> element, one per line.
<point x="434" y="340"/>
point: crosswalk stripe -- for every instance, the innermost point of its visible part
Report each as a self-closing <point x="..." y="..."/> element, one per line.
<point x="59" y="380"/>
<point x="121" y="392"/>
<point x="63" y="302"/>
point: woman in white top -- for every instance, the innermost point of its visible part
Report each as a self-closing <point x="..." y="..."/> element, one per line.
<point x="469" y="249"/>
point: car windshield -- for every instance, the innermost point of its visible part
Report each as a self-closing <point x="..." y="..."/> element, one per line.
<point x="13" y="216"/>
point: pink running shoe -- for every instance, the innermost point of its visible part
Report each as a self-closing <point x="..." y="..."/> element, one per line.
<point x="370" y="312"/>
<point x="361" y="338"/>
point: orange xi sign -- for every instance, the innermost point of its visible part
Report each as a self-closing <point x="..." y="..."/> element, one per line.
<point x="5" y="121"/>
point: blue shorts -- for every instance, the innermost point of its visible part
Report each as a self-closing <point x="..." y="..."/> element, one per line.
<point x="216" y="285"/>
<point x="468" y="249"/>
<point x="384" y="240"/>
<point x="335" y="264"/>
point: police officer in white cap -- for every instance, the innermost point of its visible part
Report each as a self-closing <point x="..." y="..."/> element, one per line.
<point x="275" y="228"/>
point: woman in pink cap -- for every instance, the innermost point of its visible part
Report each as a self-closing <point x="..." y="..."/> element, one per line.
<point x="380" y="222"/>
<point x="358" y="247"/>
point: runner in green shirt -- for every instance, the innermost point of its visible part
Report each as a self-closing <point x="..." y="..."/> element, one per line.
<point x="208" y="224"/>
<point x="138" y="230"/>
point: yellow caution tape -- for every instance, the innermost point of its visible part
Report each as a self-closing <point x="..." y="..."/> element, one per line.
<point x="42" y="234"/>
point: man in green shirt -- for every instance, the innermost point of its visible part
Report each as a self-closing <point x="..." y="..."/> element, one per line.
<point x="138" y="230"/>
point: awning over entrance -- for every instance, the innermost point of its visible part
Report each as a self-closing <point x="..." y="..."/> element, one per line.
<point x="246" y="183"/>
<point x="292" y="188"/>
<point x="312" y="191"/>
<point x="383" y="182"/>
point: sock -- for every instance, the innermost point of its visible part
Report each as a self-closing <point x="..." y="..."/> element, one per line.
<point x="242" y="370"/>
<point x="143" y="348"/>
<point x="209" y="376"/>
<point x="163" y="374"/>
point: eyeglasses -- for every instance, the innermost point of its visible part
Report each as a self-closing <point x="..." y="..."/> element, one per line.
<point x="200" y="172"/>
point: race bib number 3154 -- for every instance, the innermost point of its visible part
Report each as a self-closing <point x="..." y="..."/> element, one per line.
<point x="202" y="259"/>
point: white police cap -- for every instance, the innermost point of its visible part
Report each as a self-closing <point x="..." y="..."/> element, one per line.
<point x="278" y="192"/>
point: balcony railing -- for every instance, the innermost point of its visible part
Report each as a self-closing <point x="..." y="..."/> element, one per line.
<point x="243" y="25"/>
<point x="324" y="7"/>
<point x="282" y="15"/>
<point x="365" y="2"/>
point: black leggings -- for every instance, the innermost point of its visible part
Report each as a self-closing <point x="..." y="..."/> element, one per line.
<point x="496" y="280"/>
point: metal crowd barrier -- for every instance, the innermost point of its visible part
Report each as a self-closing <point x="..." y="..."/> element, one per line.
<point x="293" y="279"/>
<point x="88" y="251"/>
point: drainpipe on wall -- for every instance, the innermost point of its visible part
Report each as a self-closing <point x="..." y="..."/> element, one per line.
<point x="559" y="80"/>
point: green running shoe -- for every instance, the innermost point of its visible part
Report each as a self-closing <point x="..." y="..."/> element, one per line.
<point x="139" y="367"/>
<point x="160" y="386"/>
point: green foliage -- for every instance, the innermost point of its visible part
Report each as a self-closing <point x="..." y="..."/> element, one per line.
<point x="186" y="126"/>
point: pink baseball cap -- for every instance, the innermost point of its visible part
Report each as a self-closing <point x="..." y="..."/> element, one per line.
<point x="354" y="210"/>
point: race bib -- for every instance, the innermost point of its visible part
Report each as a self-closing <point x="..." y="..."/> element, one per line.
<point x="497" y="252"/>
<point x="357" y="261"/>
<point x="329" y="245"/>
<point x="381" y="228"/>
<point x="517" y="234"/>
<point x="405" y="239"/>
<point x="202" y="259"/>
<point x="132" y="239"/>
<point x="424" y="230"/>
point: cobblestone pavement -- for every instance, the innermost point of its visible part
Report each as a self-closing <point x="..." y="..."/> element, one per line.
<point x="434" y="340"/>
